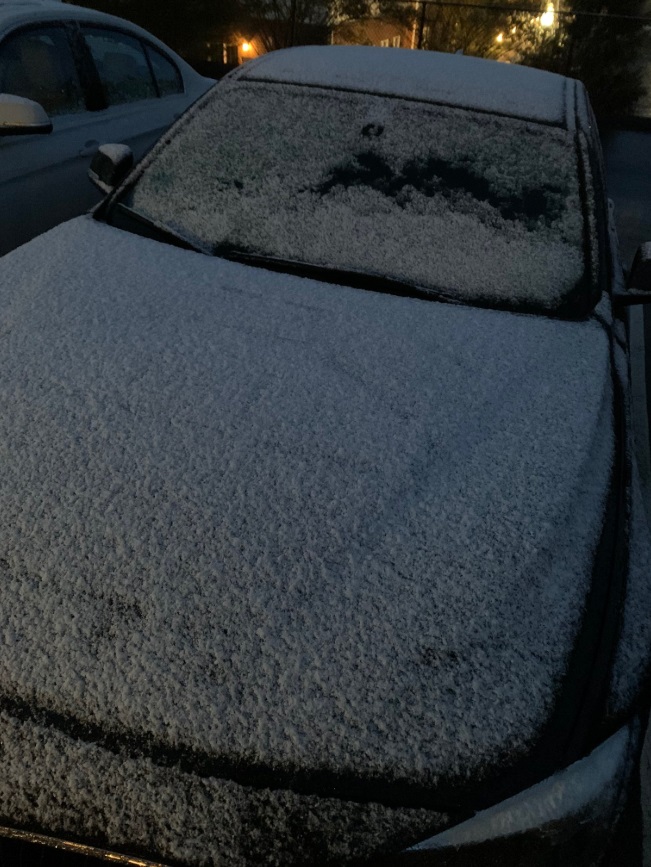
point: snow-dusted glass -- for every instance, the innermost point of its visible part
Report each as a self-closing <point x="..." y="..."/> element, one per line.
<point x="482" y="208"/>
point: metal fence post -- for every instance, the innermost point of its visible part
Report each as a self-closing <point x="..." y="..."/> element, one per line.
<point x="292" y="24"/>
<point x="421" y="24"/>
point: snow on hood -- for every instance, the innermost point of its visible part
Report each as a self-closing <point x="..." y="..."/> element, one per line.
<point x="288" y="525"/>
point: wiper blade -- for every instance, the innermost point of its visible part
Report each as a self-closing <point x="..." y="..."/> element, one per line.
<point x="123" y="217"/>
<point x="337" y="276"/>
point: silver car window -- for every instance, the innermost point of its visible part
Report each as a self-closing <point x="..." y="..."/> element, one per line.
<point x="122" y="65"/>
<point x="38" y="64"/>
<point x="168" y="78"/>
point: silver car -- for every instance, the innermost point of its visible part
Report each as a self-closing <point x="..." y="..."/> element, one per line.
<point x="99" y="79"/>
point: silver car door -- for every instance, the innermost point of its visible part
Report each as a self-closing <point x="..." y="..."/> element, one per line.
<point x="143" y="89"/>
<point x="39" y="175"/>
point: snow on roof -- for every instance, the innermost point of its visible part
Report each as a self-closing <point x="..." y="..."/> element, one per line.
<point x="426" y="75"/>
<point x="14" y="13"/>
<point x="7" y="6"/>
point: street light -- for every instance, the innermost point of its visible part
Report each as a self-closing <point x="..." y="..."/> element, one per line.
<point x="548" y="18"/>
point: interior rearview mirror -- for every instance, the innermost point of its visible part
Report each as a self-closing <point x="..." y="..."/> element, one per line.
<point x="110" y="166"/>
<point x="20" y="116"/>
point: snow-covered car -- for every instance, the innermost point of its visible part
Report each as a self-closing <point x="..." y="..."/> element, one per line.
<point x="100" y="79"/>
<point x="323" y="530"/>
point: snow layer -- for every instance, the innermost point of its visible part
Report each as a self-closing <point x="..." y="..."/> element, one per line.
<point x="286" y="524"/>
<point x="76" y="789"/>
<point x="29" y="2"/>
<point x="115" y="152"/>
<point x="481" y="207"/>
<point x="590" y="788"/>
<point x="426" y="75"/>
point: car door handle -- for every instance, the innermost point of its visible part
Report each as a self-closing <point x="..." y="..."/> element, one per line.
<point x="89" y="148"/>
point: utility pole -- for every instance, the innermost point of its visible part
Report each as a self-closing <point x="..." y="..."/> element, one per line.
<point x="421" y="24"/>
<point x="292" y="24"/>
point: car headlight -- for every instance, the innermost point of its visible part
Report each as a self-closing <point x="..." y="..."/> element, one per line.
<point x="567" y="819"/>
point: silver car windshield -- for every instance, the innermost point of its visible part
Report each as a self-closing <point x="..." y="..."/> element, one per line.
<point x="484" y="208"/>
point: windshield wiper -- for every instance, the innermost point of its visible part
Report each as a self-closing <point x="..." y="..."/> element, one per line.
<point x="123" y="217"/>
<point x="337" y="276"/>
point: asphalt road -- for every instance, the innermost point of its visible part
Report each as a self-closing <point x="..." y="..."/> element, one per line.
<point x="628" y="170"/>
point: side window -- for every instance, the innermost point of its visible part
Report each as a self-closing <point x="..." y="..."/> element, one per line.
<point x="38" y="64"/>
<point x="121" y="64"/>
<point x="168" y="78"/>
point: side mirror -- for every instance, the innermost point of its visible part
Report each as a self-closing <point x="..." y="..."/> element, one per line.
<point x="19" y="116"/>
<point x="110" y="166"/>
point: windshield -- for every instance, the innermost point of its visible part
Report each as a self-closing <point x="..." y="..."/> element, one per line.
<point x="483" y="208"/>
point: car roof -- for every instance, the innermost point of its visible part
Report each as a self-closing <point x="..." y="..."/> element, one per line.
<point x="16" y="13"/>
<point x="24" y="11"/>
<point x="469" y="82"/>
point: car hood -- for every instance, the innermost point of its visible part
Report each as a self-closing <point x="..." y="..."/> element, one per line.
<point x="275" y="534"/>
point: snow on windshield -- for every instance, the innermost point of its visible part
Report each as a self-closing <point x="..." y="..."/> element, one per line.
<point x="485" y="208"/>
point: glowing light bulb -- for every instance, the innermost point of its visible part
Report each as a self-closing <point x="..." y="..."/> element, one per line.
<point x="548" y="18"/>
<point x="246" y="47"/>
<point x="499" y="37"/>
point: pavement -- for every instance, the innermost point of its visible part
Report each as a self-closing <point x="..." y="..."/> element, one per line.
<point x="628" y="175"/>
